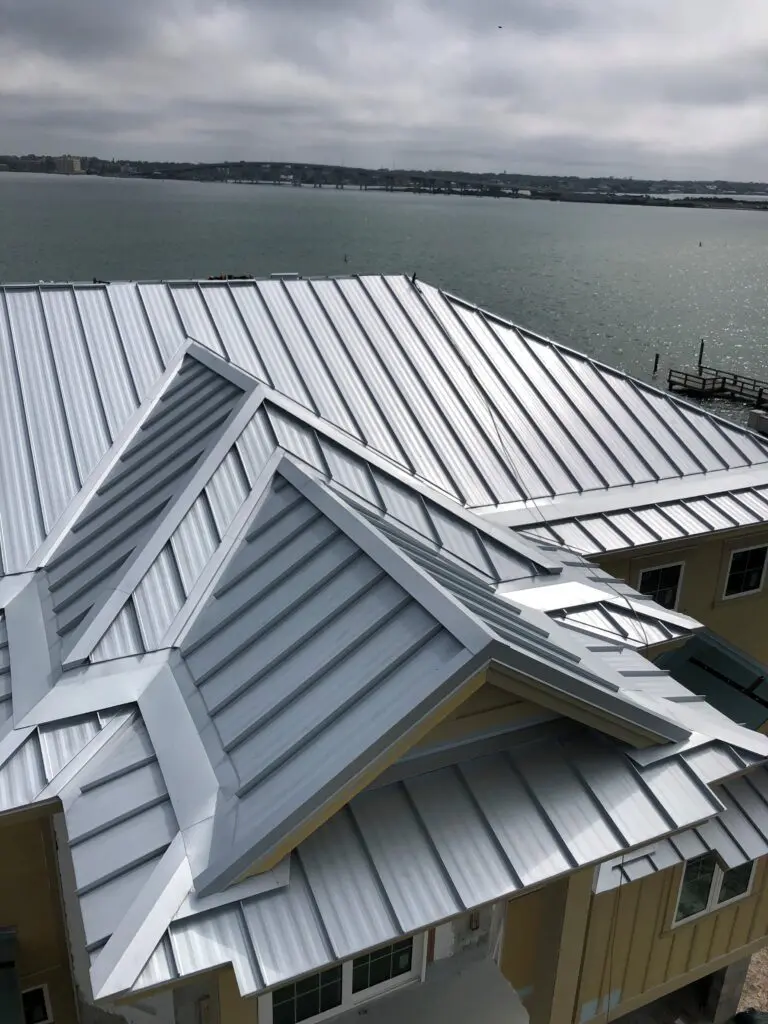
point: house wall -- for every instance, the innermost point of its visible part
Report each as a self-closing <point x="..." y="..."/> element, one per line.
<point x="31" y="903"/>
<point x="523" y="930"/>
<point x="233" y="1009"/>
<point x="633" y="955"/>
<point x="739" y="619"/>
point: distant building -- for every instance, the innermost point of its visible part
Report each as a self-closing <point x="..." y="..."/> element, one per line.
<point x="68" y="165"/>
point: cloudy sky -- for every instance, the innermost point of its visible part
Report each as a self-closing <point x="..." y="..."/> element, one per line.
<point x="643" y="87"/>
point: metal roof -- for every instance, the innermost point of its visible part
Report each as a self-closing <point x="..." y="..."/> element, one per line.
<point x="118" y="827"/>
<point x="155" y="467"/>
<point x="487" y="413"/>
<point x="437" y="842"/>
<point x="309" y="656"/>
<point x="148" y="618"/>
<point x="739" y="834"/>
<point x="287" y="590"/>
<point x="663" y="521"/>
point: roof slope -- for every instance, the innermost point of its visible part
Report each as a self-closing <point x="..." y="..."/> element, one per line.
<point x="485" y="412"/>
<point x="270" y="592"/>
<point x="484" y="824"/>
<point x="311" y="660"/>
<point x="152" y="470"/>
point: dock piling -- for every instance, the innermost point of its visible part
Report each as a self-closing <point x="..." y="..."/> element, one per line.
<point x="701" y="352"/>
<point x="656" y="364"/>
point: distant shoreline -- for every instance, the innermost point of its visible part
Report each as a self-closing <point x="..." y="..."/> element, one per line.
<point x="482" y="190"/>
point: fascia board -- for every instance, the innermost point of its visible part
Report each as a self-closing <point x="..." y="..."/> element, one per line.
<point x="442" y="606"/>
<point x="110" y="602"/>
<point x="556" y="681"/>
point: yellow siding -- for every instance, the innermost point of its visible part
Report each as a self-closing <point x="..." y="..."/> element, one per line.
<point x="30" y="902"/>
<point x="632" y="954"/>
<point x="233" y="1009"/>
<point x="706" y="559"/>
<point x="522" y="931"/>
<point x="543" y="938"/>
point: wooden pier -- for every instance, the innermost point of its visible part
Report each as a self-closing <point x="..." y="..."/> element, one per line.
<point x="709" y="381"/>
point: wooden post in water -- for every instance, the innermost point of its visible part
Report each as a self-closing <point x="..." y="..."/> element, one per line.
<point x="656" y="364"/>
<point x="701" y="353"/>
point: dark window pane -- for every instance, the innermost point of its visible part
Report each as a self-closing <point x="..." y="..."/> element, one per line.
<point x="285" y="1013"/>
<point x="735" y="882"/>
<point x="381" y="968"/>
<point x="33" y="1004"/>
<point x="283" y="995"/>
<point x="746" y="571"/>
<point x="332" y="974"/>
<point x="309" y="984"/>
<point x="661" y="584"/>
<point x="697" y="883"/>
<point x="401" y="962"/>
<point x="330" y="995"/>
<point x="308" y="1005"/>
<point x="360" y="974"/>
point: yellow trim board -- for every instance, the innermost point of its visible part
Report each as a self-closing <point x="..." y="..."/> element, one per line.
<point x="369" y="774"/>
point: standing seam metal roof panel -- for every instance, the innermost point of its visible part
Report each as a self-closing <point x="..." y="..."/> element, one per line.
<point x="159" y="461"/>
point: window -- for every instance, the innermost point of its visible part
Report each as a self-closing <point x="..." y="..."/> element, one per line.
<point x="745" y="573"/>
<point x="706" y="886"/>
<point x="307" y="998"/>
<point x="382" y="965"/>
<point x="328" y="992"/>
<point x="662" y="584"/>
<point x="36" y="1006"/>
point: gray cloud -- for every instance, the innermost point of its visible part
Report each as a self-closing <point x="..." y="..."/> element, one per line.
<point x="565" y="85"/>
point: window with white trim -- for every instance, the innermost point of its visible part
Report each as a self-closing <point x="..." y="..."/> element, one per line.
<point x="662" y="584"/>
<point x="36" y="1005"/>
<point x="746" y="571"/>
<point x="705" y="886"/>
<point x="322" y="995"/>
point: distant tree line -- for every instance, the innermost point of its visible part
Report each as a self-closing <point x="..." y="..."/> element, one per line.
<point x="340" y="175"/>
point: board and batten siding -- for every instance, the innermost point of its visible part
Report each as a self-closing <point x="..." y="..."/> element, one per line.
<point x="633" y="955"/>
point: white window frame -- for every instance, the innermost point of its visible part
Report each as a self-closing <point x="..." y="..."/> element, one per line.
<point x="714" y="890"/>
<point x="744" y="593"/>
<point x="350" y="999"/>
<point x="47" y="999"/>
<point x="656" y="568"/>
